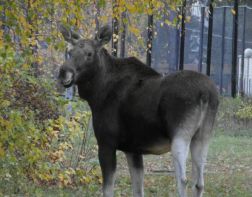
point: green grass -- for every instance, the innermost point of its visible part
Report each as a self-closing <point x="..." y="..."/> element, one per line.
<point x="228" y="171"/>
<point x="228" y="174"/>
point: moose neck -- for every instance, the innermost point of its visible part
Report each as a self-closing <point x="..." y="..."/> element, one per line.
<point x="91" y="85"/>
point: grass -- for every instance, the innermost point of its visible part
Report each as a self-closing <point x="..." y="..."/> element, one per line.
<point x="228" y="174"/>
<point x="228" y="171"/>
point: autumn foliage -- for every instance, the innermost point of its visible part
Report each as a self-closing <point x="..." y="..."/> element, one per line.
<point x="40" y="141"/>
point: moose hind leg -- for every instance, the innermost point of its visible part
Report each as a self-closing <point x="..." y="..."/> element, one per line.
<point x="179" y="149"/>
<point x="199" y="150"/>
<point x="135" y="163"/>
<point x="107" y="159"/>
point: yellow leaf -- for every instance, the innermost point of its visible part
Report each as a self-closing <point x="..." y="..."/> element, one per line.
<point x="85" y="180"/>
<point x="104" y="18"/>
<point x="1" y="33"/>
<point x="168" y="22"/>
<point x="188" y="19"/>
<point x="131" y="8"/>
<point x="40" y="59"/>
<point x="150" y="11"/>
<point x="5" y="103"/>
<point x="61" y="177"/>
<point x="70" y="171"/>
<point x="233" y="11"/>
<point x="34" y="42"/>
<point x="134" y="30"/>
<point x="25" y="66"/>
<point x="22" y="20"/>
<point x="2" y="152"/>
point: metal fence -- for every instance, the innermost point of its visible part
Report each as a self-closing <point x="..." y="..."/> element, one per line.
<point x="224" y="57"/>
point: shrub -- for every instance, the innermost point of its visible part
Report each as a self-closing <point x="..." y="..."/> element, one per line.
<point x="234" y="116"/>
<point x="245" y="112"/>
<point x="40" y="141"/>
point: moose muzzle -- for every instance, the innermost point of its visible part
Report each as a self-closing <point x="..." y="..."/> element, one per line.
<point x="66" y="77"/>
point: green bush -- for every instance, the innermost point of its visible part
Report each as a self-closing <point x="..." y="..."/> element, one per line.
<point x="234" y="116"/>
<point x="40" y="141"/>
<point x="245" y="112"/>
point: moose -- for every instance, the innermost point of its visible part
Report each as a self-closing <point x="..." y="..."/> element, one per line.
<point x="138" y="111"/>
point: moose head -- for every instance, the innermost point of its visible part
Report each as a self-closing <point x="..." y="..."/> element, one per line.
<point x="83" y="55"/>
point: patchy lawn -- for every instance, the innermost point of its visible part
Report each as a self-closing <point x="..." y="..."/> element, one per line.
<point x="228" y="173"/>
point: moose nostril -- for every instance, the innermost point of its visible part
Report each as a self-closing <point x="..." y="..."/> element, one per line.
<point x="89" y="54"/>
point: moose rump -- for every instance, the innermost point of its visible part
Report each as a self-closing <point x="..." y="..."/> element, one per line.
<point x="138" y="111"/>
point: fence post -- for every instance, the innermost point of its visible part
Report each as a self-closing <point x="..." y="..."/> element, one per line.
<point x="210" y="34"/>
<point x="182" y="37"/>
<point x="150" y="37"/>
<point x="243" y="49"/>
<point x="97" y="15"/>
<point x="115" y="28"/>
<point x="234" y="49"/>
<point x="201" y="38"/>
<point x="248" y="75"/>
<point x="177" y="45"/>
<point x="222" y="49"/>
<point x="123" y="34"/>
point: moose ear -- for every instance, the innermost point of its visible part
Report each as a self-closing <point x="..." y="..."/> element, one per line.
<point x="104" y="35"/>
<point x="69" y="35"/>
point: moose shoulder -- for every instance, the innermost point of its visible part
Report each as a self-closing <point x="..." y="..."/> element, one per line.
<point x="138" y="111"/>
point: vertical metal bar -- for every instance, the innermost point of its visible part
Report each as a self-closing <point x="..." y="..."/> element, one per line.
<point x="123" y="34"/>
<point x="150" y="37"/>
<point x="248" y="75"/>
<point x="177" y="48"/>
<point x="182" y="37"/>
<point x="243" y="49"/>
<point x="209" y="42"/>
<point x="249" y="92"/>
<point x="234" y="49"/>
<point x="97" y="15"/>
<point x="244" y="85"/>
<point x="222" y="48"/>
<point x="115" y="28"/>
<point x="202" y="20"/>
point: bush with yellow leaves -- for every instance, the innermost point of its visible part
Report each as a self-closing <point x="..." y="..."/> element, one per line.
<point x="40" y="141"/>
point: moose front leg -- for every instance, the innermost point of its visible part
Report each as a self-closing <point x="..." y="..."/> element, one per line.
<point x="107" y="158"/>
<point x="135" y="163"/>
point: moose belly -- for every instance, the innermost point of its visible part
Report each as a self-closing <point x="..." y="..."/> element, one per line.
<point x="155" y="147"/>
<point x="161" y="147"/>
